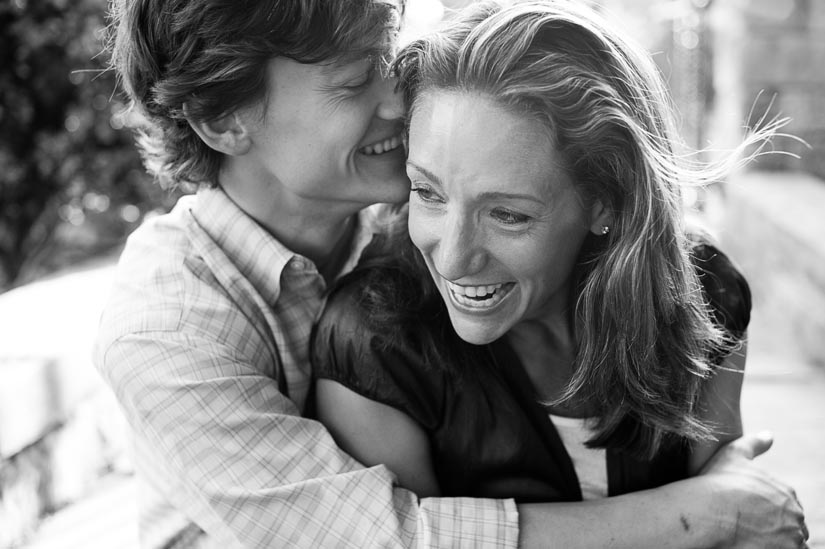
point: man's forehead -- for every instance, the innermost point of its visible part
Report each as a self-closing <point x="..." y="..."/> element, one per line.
<point x="355" y="62"/>
<point x="345" y="64"/>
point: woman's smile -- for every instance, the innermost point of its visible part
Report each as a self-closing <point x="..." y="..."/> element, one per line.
<point x="481" y="298"/>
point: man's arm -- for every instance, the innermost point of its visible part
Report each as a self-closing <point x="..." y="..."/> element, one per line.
<point x="731" y="505"/>
<point x="232" y="452"/>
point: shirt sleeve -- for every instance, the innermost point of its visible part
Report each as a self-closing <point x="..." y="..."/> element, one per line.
<point x="725" y="288"/>
<point x="251" y="472"/>
<point x="389" y="369"/>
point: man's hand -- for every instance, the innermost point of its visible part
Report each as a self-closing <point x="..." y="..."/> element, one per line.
<point x="768" y="513"/>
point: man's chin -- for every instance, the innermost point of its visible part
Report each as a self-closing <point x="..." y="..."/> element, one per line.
<point x="391" y="190"/>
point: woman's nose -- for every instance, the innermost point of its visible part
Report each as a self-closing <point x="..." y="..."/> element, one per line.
<point x="459" y="253"/>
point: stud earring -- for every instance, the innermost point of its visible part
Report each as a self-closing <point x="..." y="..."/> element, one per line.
<point x="605" y="229"/>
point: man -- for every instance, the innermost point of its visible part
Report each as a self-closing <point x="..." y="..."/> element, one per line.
<point x="281" y="113"/>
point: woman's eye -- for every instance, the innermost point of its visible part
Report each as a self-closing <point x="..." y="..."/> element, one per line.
<point x="425" y="194"/>
<point x="509" y="217"/>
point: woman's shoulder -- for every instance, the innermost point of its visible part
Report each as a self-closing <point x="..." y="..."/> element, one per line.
<point x="344" y="306"/>
<point x="725" y="287"/>
<point x="378" y="360"/>
<point x="345" y="323"/>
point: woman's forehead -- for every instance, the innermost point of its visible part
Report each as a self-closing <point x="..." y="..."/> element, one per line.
<point x="463" y="138"/>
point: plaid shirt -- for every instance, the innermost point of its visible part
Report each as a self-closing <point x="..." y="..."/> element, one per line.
<point x="205" y="343"/>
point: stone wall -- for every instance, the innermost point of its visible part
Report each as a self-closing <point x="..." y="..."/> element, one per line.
<point x="60" y="428"/>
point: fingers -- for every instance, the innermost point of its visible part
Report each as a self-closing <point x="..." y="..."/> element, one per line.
<point x="803" y="527"/>
<point x="765" y="441"/>
<point x="751" y="446"/>
<point x="803" y="539"/>
<point x="802" y="531"/>
<point x="800" y="512"/>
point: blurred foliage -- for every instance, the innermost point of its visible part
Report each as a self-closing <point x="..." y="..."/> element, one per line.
<point x="72" y="185"/>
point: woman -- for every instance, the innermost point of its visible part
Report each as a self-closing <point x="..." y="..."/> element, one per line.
<point x="571" y="341"/>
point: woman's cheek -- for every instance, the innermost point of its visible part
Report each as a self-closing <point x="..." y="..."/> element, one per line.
<point x="422" y="227"/>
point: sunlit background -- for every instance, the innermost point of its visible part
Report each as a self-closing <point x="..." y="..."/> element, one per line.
<point x="72" y="188"/>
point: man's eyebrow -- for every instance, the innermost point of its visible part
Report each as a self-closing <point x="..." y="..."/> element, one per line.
<point x="341" y="65"/>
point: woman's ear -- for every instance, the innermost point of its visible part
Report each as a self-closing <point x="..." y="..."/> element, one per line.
<point x="601" y="219"/>
<point x="229" y="134"/>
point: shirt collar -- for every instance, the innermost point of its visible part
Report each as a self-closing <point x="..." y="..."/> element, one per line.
<point x="369" y="223"/>
<point x="259" y="256"/>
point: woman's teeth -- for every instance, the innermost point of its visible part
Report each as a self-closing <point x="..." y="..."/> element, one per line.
<point x="477" y="296"/>
<point x="381" y="147"/>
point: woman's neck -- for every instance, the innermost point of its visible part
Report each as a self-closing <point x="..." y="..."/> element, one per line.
<point x="547" y="352"/>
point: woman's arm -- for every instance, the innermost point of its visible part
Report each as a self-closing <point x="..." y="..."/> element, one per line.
<point x="374" y="433"/>
<point x="719" y="406"/>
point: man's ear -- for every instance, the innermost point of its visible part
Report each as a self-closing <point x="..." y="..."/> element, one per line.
<point x="601" y="219"/>
<point x="229" y="134"/>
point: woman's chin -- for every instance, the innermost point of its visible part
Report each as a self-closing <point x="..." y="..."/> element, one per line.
<point x="477" y="333"/>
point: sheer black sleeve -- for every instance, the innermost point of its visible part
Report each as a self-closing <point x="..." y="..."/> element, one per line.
<point x="725" y="288"/>
<point x="347" y="350"/>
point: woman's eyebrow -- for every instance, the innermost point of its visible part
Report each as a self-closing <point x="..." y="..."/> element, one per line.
<point x="488" y="195"/>
<point x="493" y="195"/>
<point x="425" y="172"/>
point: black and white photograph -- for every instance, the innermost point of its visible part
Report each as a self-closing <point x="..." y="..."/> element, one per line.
<point x="412" y="274"/>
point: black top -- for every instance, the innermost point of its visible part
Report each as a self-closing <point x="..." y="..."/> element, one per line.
<point x="489" y="436"/>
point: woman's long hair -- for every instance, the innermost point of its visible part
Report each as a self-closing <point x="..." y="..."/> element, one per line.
<point x="644" y="333"/>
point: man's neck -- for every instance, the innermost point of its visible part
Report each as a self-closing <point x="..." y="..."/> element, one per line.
<point x="334" y="261"/>
<point x="319" y="230"/>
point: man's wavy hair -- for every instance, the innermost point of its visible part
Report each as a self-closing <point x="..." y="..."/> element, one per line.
<point x="211" y="55"/>
<point x="643" y="330"/>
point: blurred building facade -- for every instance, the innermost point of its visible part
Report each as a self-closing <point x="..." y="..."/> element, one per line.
<point x="771" y="51"/>
<point x="729" y="62"/>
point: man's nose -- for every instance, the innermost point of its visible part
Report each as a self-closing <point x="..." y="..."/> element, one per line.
<point x="391" y="103"/>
